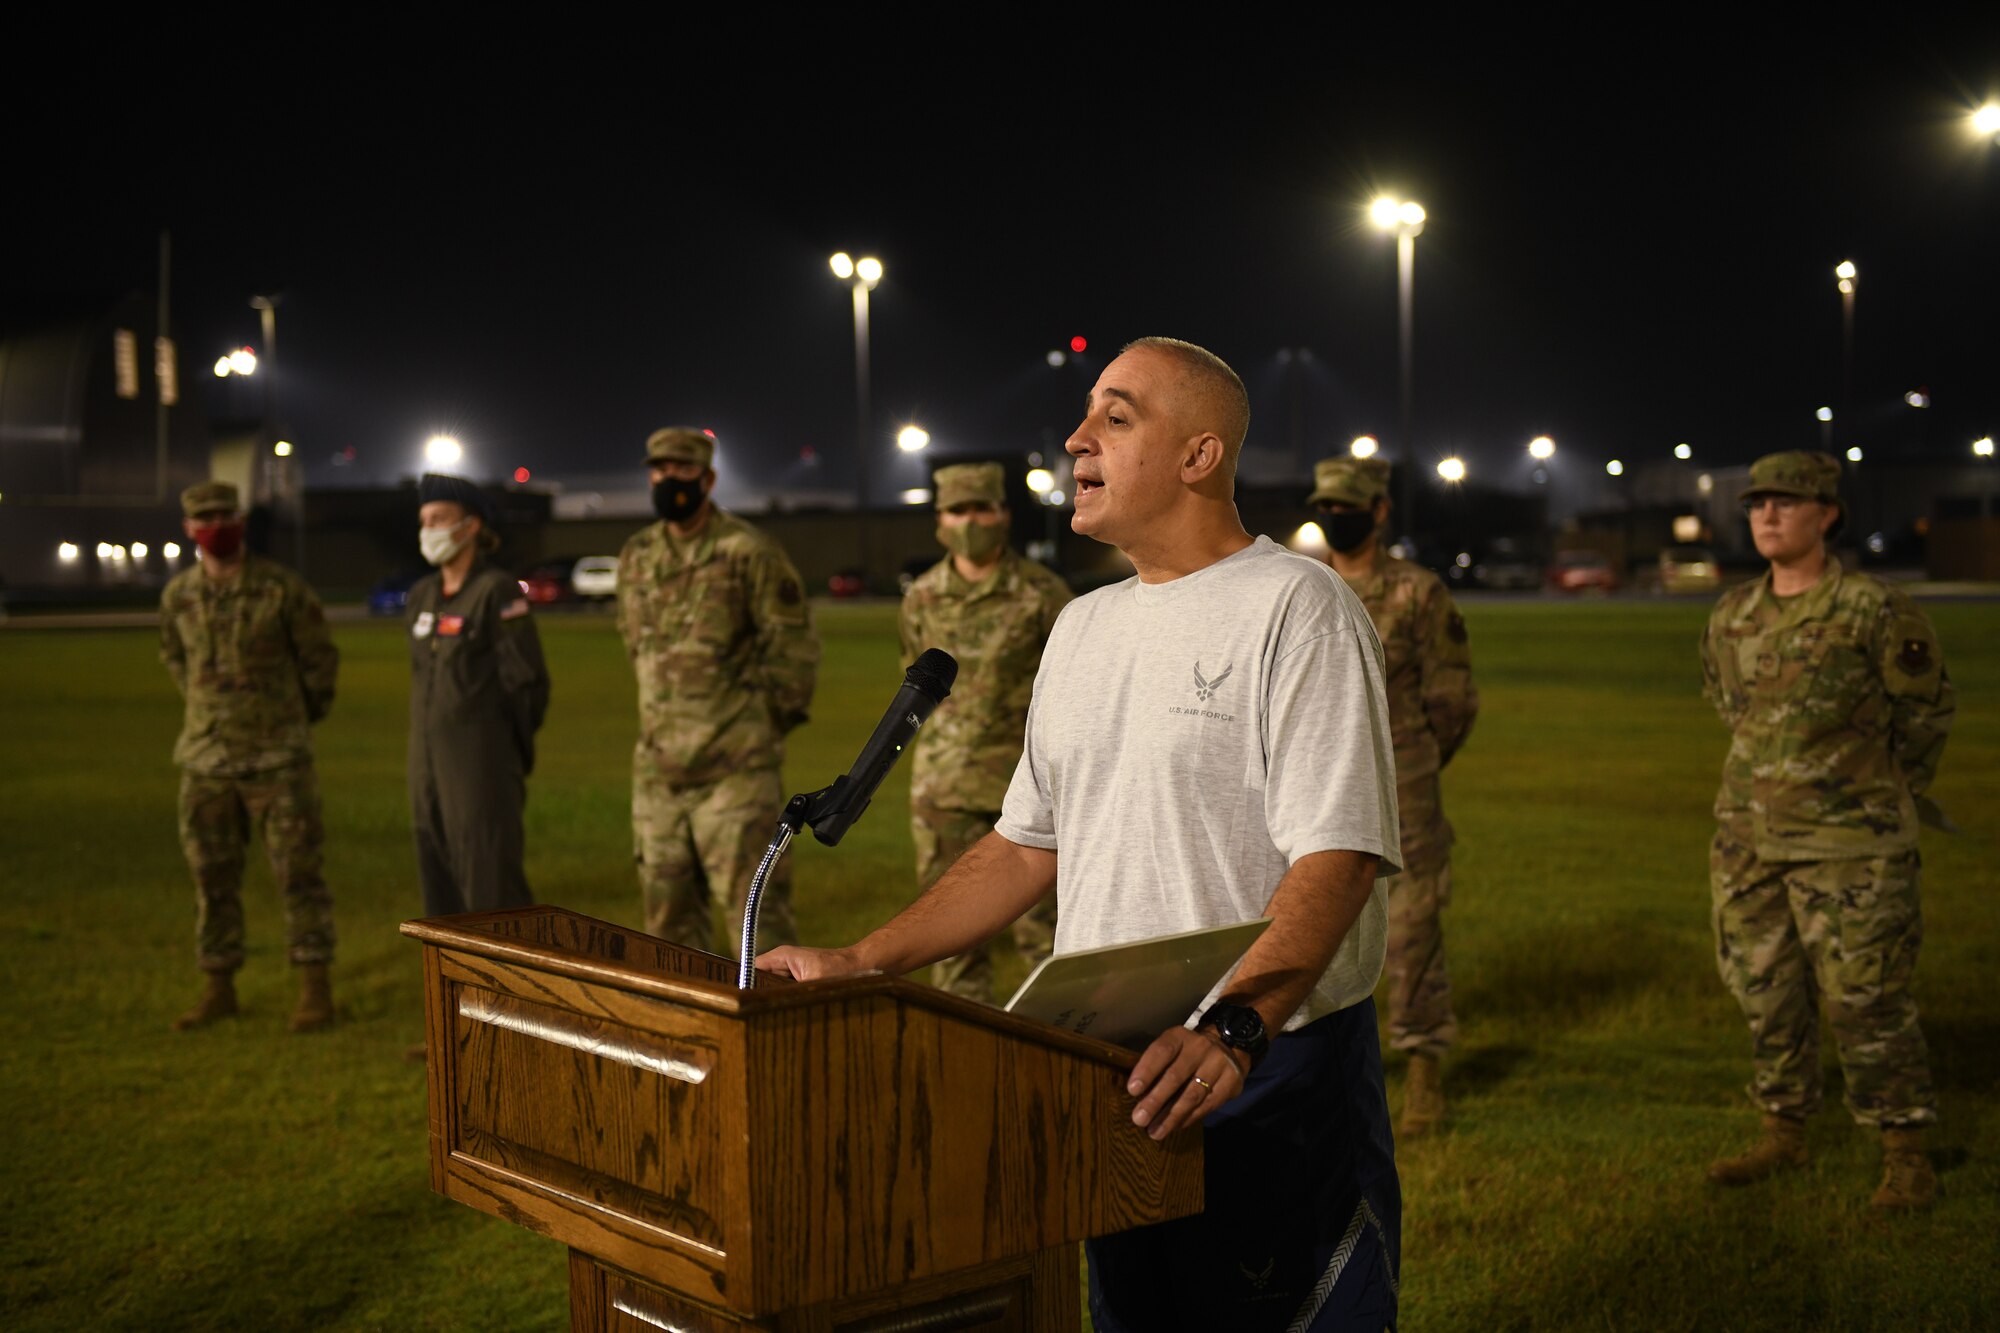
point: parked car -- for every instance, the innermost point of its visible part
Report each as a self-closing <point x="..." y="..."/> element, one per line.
<point x="595" y="577"/>
<point x="1502" y="563"/>
<point x="547" y="584"/>
<point x="1582" y="571"/>
<point x="391" y="595"/>
<point x="847" y="583"/>
<point x="1689" y="569"/>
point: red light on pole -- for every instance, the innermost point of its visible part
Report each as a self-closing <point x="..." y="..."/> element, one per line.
<point x="1078" y="343"/>
<point x="520" y="475"/>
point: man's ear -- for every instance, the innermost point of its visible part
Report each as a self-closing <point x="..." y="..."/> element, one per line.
<point x="1203" y="457"/>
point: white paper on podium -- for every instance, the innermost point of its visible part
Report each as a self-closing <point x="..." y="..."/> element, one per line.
<point x="1128" y="994"/>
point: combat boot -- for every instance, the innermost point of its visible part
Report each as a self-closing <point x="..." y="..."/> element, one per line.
<point x="315" y="1009"/>
<point x="1423" y="1097"/>
<point x="1907" y="1179"/>
<point x="1783" y="1148"/>
<point x="218" y="1000"/>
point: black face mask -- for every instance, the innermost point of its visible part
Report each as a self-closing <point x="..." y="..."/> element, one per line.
<point x="675" y="500"/>
<point x="1347" y="530"/>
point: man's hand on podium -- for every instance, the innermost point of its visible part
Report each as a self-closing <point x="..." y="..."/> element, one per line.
<point x="1182" y="1075"/>
<point x="803" y="964"/>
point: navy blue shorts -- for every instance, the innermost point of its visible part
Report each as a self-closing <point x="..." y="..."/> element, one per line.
<point x="1303" y="1228"/>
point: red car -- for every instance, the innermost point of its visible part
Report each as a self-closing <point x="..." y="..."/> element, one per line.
<point x="1582" y="571"/>
<point x="546" y="583"/>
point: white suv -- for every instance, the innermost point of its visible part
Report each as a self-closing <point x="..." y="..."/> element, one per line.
<point x="595" y="577"/>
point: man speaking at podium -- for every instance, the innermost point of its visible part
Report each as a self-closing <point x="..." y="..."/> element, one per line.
<point x="1208" y="743"/>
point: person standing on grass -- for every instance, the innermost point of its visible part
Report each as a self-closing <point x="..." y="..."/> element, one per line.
<point x="478" y="693"/>
<point x="1834" y="689"/>
<point x="723" y="646"/>
<point x="1432" y="703"/>
<point x="992" y="610"/>
<point x="1208" y="742"/>
<point x="246" y="643"/>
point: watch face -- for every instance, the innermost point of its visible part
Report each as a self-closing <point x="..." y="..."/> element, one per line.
<point x="1239" y="1025"/>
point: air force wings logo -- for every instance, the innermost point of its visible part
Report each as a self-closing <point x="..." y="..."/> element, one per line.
<point x="1204" y="689"/>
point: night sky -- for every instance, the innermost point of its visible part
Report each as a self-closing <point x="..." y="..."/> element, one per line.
<point x="1630" y="245"/>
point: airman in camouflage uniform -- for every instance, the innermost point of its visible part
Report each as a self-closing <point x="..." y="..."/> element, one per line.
<point x="992" y="610"/>
<point x="716" y="623"/>
<point x="246" y="643"/>
<point x="1834" y="689"/>
<point x="1432" y="704"/>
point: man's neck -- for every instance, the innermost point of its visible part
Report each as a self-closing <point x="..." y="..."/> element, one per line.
<point x="221" y="571"/>
<point x="1185" y="543"/>
<point x="972" y="573"/>
<point x="1357" y="563"/>
<point x="691" y="528"/>
<point x="455" y="569"/>
<point x="1791" y="577"/>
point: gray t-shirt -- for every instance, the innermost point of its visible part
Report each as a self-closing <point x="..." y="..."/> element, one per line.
<point x="1189" y="740"/>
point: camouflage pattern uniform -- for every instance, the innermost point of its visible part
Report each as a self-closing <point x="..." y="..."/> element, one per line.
<point x="1838" y="704"/>
<point x="723" y="645"/>
<point x="1432" y="703"/>
<point x="255" y="665"/>
<point x="965" y="755"/>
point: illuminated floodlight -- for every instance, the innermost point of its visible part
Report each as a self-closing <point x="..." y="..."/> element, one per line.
<point x="139" y="550"/>
<point x="68" y="552"/>
<point x="868" y="270"/>
<point x="1846" y="286"/>
<point x="1824" y="414"/>
<point x="912" y="439"/>
<point x="283" y="448"/>
<point x="1041" y="481"/>
<point x="1364" y="446"/>
<point x="1411" y="214"/>
<point x="243" y="361"/>
<point x="104" y="550"/>
<point x="172" y="550"/>
<point x="1846" y="272"/>
<point x="1704" y="483"/>
<point x="916" y="495"/>
<point x="1615" y="468"/>
<point x="1383" y="212"/>
<point x="1452" y="469"/>
<point x="1310" y="539"/>
<point x="842" y="265"/>
<point x="1917" y="398"/>
<point x="1854" y="454"/>
<point x="222" y="367"/>
<point x="1682" y="452"/>
<point x="1541" y="447"/>
<point x="1986" y="120"/>
<point x="1983" y="448"/>
<point x="442" y="450"/>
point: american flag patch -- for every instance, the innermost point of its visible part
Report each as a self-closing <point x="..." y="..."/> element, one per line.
<point x="515" y="609"/>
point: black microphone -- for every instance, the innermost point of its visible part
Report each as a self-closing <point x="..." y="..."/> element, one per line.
<point x="925" y="685"/>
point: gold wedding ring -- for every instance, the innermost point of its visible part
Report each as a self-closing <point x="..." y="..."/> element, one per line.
<point x="1206" y="1086"/>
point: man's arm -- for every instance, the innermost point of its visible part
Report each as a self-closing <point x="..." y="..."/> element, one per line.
<point x="173" y="652"/>
<point x="1444" y="659"/>
<point x="1922" y="702"/>
<point x="985" y="889"/>
<point x="312" y="647"/>
<point x="1315" y="905"/>
<point x="787" y="644"/>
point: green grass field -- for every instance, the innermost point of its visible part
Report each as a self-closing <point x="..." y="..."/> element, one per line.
<point x="245" y="1178"/>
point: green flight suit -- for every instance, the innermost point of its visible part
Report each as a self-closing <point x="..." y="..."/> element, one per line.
<point x="478" y="692"/>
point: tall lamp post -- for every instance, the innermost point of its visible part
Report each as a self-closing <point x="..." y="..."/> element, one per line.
<point x="1846" y="276"/>
<point x="861" y="275"/>
<point x="1405" y="217"/>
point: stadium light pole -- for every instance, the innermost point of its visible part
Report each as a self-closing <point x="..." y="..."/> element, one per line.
<point x="861" y="275"/>
<point x="1405" y="217"/>
<point x="1846" y="278"/>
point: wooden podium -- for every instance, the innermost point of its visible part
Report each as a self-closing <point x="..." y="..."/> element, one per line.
<point x="865" y="1155"/>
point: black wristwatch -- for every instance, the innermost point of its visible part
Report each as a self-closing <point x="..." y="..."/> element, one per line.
<point x="1240" y="1027"/>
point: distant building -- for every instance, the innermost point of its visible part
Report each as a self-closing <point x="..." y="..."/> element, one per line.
<point x="98" y="435"/>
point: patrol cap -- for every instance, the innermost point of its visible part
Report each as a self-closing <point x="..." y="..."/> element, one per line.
<point x="970" y="483"/>
<point x="680" y="444"/>
<point x="1349" y="481"/>
<point x="206" y="497"/>
<point x="1801" y="472"/>
<point x="455" y="490"/>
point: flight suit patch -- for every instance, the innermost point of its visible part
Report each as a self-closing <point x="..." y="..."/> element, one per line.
<point x="451" y="626"/>
<point x="422" y="628"/>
